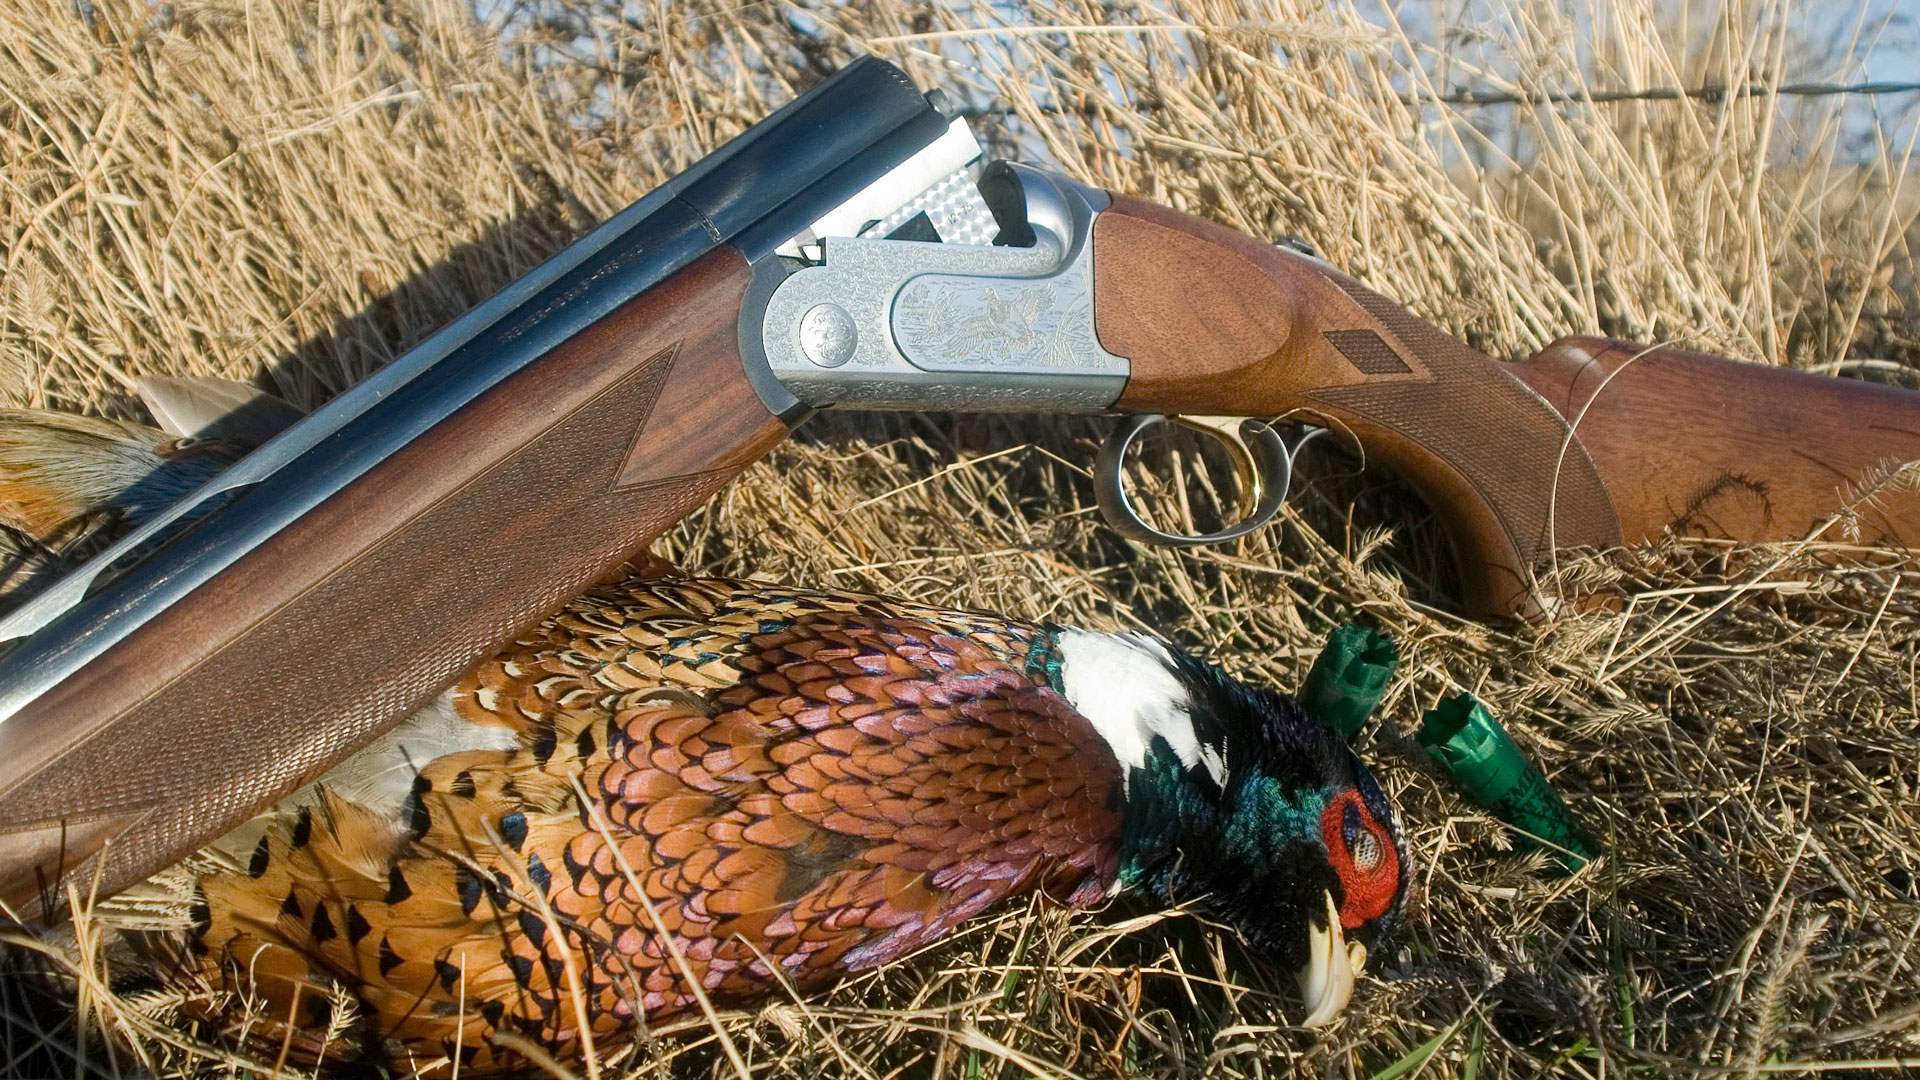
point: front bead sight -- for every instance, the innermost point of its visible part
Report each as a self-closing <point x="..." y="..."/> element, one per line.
<point x="969" y="327"/>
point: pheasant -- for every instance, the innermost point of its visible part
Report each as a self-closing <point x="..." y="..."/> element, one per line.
<point x="680" y="787"/>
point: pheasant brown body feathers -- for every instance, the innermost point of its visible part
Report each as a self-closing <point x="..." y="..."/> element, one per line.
<point x="782" y="780"/>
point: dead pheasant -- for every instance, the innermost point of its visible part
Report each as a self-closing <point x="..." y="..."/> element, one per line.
<point x="684" y="781"/>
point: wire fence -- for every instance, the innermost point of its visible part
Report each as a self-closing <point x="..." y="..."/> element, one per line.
<point x="1711" y="94"/>
<point x="1708" y="94"/>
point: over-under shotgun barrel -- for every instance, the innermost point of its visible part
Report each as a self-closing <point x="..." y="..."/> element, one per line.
<point x="432" y="513"/>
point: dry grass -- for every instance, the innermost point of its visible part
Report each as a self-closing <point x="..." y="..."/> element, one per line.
<point x="300" y="190"/>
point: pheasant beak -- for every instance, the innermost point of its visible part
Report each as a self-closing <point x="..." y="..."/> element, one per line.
<point x="1326" y="982"/>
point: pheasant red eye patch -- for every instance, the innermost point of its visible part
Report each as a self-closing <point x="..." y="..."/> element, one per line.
<point x="1363" y="854"/>
<point x="1362" y="848"/>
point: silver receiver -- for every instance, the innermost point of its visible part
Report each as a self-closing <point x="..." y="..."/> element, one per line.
<point x="906" y="324"/>
<point x="972" y="326"/>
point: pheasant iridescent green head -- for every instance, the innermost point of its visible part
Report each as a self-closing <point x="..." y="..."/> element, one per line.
<point x="1235" y="799"/>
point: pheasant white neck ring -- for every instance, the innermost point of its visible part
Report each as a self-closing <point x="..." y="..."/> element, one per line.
<point x="1127" y="687"/>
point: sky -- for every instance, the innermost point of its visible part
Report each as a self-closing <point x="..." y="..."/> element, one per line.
<point x="1846" y="41"/>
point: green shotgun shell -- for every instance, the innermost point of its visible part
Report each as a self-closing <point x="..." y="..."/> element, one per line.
<point x="1349" y="678"/>
<point x="1492" y="773"/>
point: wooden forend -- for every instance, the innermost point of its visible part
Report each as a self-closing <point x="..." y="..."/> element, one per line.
<point x="363" y="609"/>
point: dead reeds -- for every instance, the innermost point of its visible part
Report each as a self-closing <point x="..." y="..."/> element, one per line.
<point x="297" y="191"/>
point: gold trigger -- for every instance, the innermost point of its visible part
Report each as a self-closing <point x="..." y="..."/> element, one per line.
<point x="1227" y="430"/>
<point x="1263" y="464"/>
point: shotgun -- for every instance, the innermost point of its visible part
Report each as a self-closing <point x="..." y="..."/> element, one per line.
<point x="847" y="252"/>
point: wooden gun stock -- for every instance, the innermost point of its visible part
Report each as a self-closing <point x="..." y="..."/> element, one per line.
<point x="1214" y="322"/>
<point x="1517" y="460"/>
<point x="543" y="484"/>
<point x="1701" y="445"/>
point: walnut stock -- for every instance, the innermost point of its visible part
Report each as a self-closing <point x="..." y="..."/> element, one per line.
<point x="1591" y="444"/>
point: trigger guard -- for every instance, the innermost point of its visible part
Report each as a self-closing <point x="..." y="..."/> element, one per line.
<point x="1271" y="468"/>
